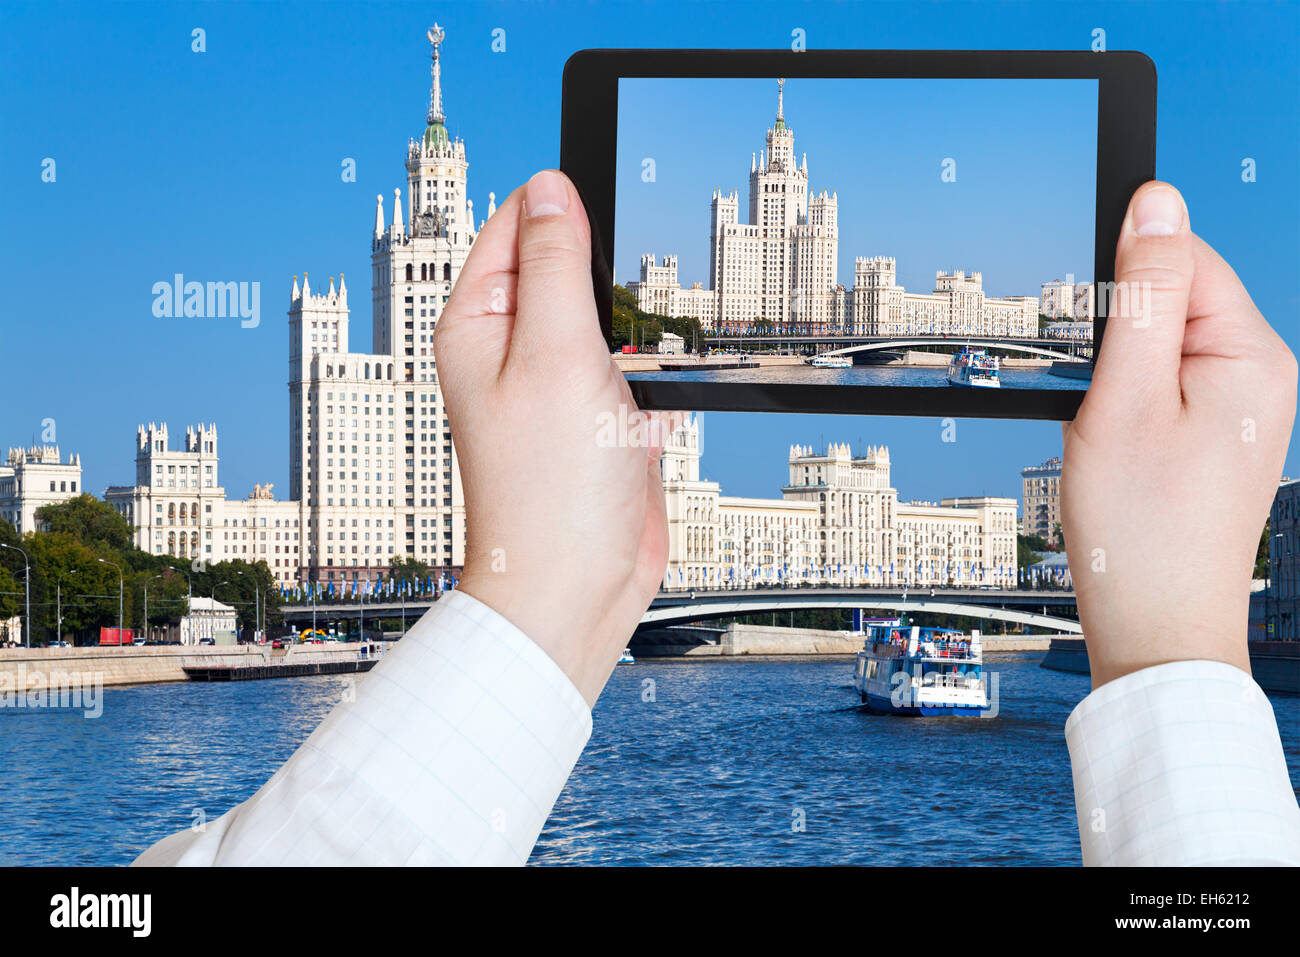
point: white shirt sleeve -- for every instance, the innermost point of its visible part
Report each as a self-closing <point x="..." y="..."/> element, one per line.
<point x="454" y="750"/>
<point x="1181" y="764"/>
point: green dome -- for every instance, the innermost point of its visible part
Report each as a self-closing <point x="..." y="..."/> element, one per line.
<point x="435" y="137"/>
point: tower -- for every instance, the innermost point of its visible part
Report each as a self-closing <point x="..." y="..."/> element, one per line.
<point x="318" y="324"/>
<point x="413" y="267"/>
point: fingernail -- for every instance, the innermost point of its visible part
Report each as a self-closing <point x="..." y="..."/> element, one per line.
<point x="546" y="195"/>
<point x="1159" y="212"/>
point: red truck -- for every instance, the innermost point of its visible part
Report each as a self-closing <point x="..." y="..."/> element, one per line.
<point x="116" y="636"/>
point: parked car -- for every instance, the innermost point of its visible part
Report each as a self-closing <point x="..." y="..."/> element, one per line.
<point x="207" y="641"/>
<point x="277" y="643"/>
<point x="59" y="644"/>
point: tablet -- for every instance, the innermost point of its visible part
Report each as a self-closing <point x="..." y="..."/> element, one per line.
<point x="892" y="232"/>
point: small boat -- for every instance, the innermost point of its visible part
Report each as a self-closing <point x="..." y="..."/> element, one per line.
<point x="974" y="368"/>
<point x="626" y="658"/>
<point x="921" y="671"/>
<point x="832" y="362"/>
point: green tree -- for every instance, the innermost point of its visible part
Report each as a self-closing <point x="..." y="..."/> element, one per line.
<point x="244" y="587"/>
<point x="1261" y="553"/>
<point x="1030" y="549"/>
<point x="11" y="595"/>
<point x="89" y="590"/>
<point x="408" y="570"/>
<point x="89" y="521"/>
<point x="648" y="327"/>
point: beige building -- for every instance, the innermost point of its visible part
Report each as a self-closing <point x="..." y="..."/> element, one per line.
<point x="878" y="306"/>
<point x="33" y="477"/>
<point x="839" y="520"/>
<point x="1041" y="494"/>
<point x="178" y="507"/>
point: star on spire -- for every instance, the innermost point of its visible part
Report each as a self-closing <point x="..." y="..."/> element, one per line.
<point x="436" y="34"/>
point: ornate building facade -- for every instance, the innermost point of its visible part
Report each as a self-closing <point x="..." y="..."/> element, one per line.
<point x="373" y="476"/>
<point x="178" y="507"/>
<point x="30" y="478"/>
<point x="839" y="519"/>
<point x="778" y="270"/>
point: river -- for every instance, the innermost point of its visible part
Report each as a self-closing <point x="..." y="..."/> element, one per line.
<point x="690" y="762"/>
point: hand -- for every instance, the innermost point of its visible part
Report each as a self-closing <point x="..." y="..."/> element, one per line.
<point x="563" y="500"/>
<point x="1174" y="457"/>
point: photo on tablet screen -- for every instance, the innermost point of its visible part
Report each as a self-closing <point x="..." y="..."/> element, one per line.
<point x="897" y="232"/>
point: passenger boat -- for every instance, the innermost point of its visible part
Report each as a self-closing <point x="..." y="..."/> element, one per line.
<point x="921" y="671"/>
<point x="974" y="368"/>
<point x="626" y="658"/>
<point x="832" y="362"/>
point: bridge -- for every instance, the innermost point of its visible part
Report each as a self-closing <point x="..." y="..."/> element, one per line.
<point x="848" y="344"/>
<point x="1040" y="608"/>
<point x="1023" y="607"/>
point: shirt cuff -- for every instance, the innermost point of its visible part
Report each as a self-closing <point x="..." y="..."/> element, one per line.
<point x="453" y="752"/>
<point x="1181" y="764"/>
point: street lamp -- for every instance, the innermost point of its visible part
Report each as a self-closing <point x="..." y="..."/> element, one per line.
<point x="121" y="585"/>
<point x="27" y="586"/>
<point x="58" y="590"/>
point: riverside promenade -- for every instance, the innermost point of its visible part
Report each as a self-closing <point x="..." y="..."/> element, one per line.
<point x="27" y="668"/>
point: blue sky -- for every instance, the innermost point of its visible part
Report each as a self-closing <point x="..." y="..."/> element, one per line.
<point x="1020" y="209"/>
<point x="225" y="165"/>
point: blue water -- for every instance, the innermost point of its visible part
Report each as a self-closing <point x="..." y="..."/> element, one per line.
<point x="714" y="762"/>
<point x="1030" y="378"/>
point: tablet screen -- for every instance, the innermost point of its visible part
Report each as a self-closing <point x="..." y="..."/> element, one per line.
<point x="881" y="232"/>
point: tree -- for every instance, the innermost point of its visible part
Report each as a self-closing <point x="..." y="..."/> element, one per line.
<point x="11" y="595"/>
<point x="89" y="521"/>
<point x="89" y="587"/>
<point x="1029" y="549"/>
<point x="408" y="570"/>
<point x="1261" y="553"/>
<point x="648" y="327"/>
<point x="242" y="586"/>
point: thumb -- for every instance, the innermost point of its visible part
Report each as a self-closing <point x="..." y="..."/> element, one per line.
<point x="555" y="306"/>
<point x="1143" y="342"/>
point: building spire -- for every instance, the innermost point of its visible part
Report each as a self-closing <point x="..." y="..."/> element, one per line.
<point x="436" y="33"/>
<point x="780" y="100"/>
<point x="379" y="215"/>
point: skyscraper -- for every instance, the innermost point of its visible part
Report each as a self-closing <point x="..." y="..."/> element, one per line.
<point x="371" y="459"/>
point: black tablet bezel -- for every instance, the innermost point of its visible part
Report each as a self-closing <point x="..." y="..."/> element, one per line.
<point x="1126" y="149"/>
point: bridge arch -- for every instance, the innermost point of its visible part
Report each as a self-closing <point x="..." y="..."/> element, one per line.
<point x="663" y="615"/>
<point x="963" y="341"/>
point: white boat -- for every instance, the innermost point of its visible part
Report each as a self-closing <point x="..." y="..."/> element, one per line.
<point x="921" y="671"/>
<point x="832" y="362"/>
<point x="974" y="368"/>
<point x="626" y="658"/>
